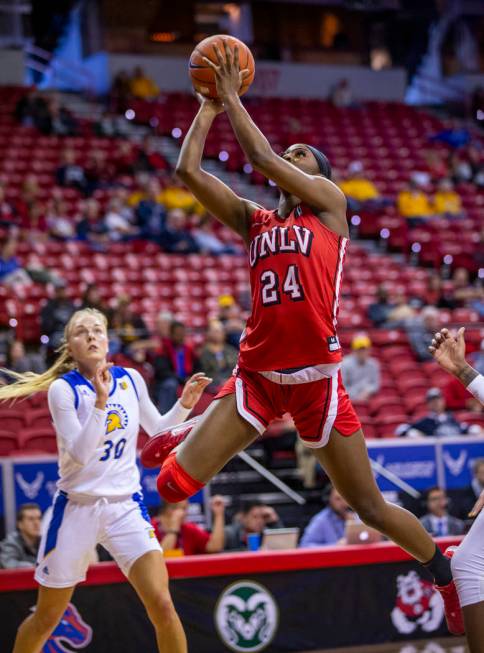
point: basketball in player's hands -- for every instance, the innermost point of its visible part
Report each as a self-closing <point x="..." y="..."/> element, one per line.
<point x="203" y="77"/>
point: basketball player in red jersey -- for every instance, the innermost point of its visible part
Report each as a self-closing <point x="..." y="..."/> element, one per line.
<point x="289" y="354"/>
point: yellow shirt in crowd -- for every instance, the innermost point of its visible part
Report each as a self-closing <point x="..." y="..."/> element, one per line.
<point x="175" y="197"/>
<point x="447" y="202"/>
<point x="144" y="88"/>
<point x="359" y="189"/>
<point x="413" y="204"/>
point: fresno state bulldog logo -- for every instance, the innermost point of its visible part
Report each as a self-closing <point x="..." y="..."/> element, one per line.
<point x="71" y="631"/>
<point x="418" y="605"/>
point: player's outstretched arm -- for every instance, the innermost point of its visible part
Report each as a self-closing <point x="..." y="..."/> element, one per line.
<point x="316" y="191"/>
<point x="449" y="352"/>
<point x="215" y="196"/>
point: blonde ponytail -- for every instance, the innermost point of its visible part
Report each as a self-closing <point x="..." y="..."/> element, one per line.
<point x="29" y="383"/>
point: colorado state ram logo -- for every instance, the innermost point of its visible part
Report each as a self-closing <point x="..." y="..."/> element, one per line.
<point x="246" y="617"/>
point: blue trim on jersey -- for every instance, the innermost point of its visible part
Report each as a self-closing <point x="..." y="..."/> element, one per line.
<point x="138" y="498"/>
<point x="60" y="504"/>
<point x="133" y="383"/>
<point x="116" y="373"/>
<point x="74" y="378"/>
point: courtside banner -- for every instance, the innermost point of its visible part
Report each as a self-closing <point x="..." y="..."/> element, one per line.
<point x="269" y="601"/>
<point x="459" y="458"/>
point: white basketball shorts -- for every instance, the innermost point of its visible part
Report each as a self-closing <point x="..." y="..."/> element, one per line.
<point x="75" y="528"/>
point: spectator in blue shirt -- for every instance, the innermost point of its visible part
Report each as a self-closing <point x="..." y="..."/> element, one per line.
<point x="328" y="526"/>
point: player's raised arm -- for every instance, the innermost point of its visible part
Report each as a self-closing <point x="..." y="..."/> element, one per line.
<point x="215" y="196"/>
<point x="318" y="192"/>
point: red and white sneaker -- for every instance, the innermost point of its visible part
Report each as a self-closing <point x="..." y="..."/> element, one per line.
<point x="453" y="611"/>
<point x="159" y="447"/>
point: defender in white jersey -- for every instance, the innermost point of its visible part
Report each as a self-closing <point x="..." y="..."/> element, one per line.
<point x="468" y="559"/>
<point x="97" y="410"/>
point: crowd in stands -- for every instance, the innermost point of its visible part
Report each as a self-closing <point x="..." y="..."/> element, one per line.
<point x="180" y="532"/>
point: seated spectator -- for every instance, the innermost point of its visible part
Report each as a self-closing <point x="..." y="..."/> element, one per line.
<point x="99" y="172"/>
<point x="455" y="135"/>
<point x="119" y="221"/>
<point x="446" y="201"/>
<point x="19" y="549"/>
<point x="176" y="196"/>
<point x="437" y="521"/>
<point x="29" y="196"/>
<point x="438" y="422"/>
<point x="464" y="291"/>
<point x="253" y="517"/>
<point x="401" y="313"/>
<point x="421" y="331"/>
<point x="123" y="159"/>
<point x="111" y="125"/>
<point x="69" y="173"/>
<point x="149" y="158"/>
<point x="54" y="315"/>
<point x="120" y="91"/>
<point x="175" y="237"/>
<point x="128" y="325"/>
<point x="460" y="169"/>
<point x="342" y="95"/>
<point x="437" y="295"/>
<point x="8" y="215"/>
<point x="230" y="314"/>
<point x="217" y="358"/>
<point x="62" y="122"/>
<point x="34" y="227"/>
<point x="361" y="372"/>
<point x="91" y="227"/>
<point x="19" y="361"/>
<point x="91" y="298"/>
<point x="60" y="225"/>
<point x="379" y="311"/>
<point x="362" y="193"/>
<point x="11" y="271"/>
<point x="173" y="365"/>
<point x="436" y="165"/>
<point x="142" y="87"/>
<point x="413" y="204"/>
<point x="207" y="241"/>
<point x="328" y="526"/>
<point x="151" y="212"/>
<point x="175" y="532"/>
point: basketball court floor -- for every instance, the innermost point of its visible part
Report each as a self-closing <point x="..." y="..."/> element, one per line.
<point x="447" y="645"/>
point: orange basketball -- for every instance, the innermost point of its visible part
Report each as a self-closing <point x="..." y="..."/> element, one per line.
<point x="203" y="77"/>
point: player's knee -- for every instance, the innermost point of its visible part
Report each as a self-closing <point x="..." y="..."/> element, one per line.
<point x="161" y="610"/>
<point x="371" y="513"/>
<point x="174" y="483"/>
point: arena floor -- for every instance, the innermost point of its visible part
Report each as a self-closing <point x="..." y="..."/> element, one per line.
<point x="447" y="645"/>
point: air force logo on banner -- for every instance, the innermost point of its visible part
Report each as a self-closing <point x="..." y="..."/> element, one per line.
<point x="71" y="633"/>
<point x="246" y="617"/>
<point x="31" y="490"/>
<point x="455" y="467"/>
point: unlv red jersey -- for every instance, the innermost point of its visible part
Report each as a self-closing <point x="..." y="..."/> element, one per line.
<point x="296" y="266"/>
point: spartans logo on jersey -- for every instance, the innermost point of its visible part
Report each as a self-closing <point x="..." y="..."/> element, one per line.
<point x="116" y="419"/>
<point x="246" y="617"/>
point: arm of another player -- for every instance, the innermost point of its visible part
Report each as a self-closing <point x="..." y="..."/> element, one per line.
<point x="449" y="352"/>
<point x="215" y="196"/>
<point x="151" y="419"/>
<point x="318" y="192"/>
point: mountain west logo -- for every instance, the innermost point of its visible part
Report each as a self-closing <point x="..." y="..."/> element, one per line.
<point x="71" y="631"/>
<point x="116" y="419"/>
<point x="31" y="490"/>
<point x="246" y="617"/>
<point x="418" y="605"/>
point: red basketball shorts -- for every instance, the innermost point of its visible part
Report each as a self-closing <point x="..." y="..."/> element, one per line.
<point x="316" y="406"/>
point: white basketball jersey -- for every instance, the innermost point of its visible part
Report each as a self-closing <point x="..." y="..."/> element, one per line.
<point x="112" y="469"/>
